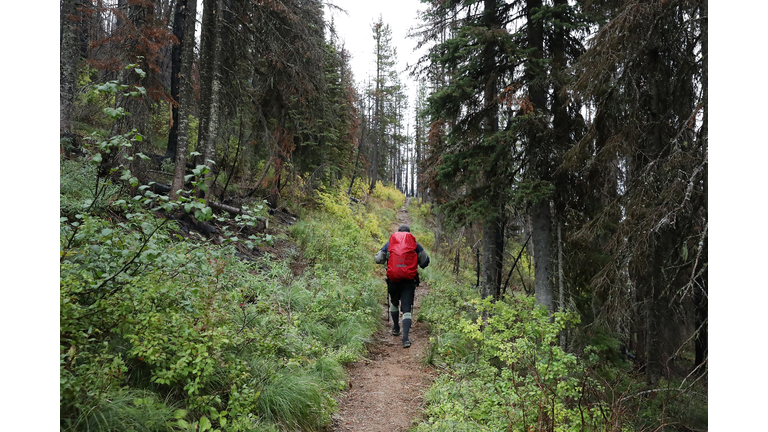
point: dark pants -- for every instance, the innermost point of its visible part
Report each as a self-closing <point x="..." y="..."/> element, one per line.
<point x="401" y="294"/>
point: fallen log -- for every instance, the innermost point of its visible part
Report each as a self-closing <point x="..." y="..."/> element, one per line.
<point x="164" y="189"/>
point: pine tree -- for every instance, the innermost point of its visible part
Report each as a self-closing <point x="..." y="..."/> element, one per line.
<point x="385" y="87"/>
<point x="478" y="158"/>
<point x="649" y="96"/>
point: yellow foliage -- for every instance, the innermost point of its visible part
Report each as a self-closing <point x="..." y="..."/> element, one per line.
<point x="372" y="227"/>
<point x="426" y="238"/>
<point x="335" y="203"/>
<point x="389" y="194"/>
<point x="425" y="210"/>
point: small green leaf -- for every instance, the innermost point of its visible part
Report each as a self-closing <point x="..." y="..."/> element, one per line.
<point x="115" y="113"/>
<point x="180" y="413"/>
<point x="133" y="181"/>
<point x="96" y="158"/>
<point x="205" y="424"/>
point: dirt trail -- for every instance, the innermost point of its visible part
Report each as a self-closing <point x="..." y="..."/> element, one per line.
<point x="386" y="389"/>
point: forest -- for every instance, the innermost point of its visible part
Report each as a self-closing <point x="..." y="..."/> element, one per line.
<point x="225" y="180"/>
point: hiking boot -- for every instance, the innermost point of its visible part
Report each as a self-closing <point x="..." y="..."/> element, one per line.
<point x="406" y="344"/>
<point x="395" y="332"/>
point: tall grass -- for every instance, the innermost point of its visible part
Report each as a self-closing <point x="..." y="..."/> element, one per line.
<point x="137" y="410"/>
<point x="292" y="397"/>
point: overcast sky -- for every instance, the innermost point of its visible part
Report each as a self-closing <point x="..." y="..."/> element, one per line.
<point x="354" y="30"/>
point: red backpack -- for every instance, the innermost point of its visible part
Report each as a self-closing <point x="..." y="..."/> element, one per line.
<point x="401" y="265"/>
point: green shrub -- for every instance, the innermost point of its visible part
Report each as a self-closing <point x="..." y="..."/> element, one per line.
<point x="77" y="186"/>
<point x="161" y="333"/>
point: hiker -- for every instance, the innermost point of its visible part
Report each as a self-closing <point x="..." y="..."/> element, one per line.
<point x="401" y="254"/>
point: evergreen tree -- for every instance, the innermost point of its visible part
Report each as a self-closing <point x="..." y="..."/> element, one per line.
<point x="505" y="145"/>
<point x="385" y="87"/>
<point x="645" y="74"/>
<point x="479" y="157"/>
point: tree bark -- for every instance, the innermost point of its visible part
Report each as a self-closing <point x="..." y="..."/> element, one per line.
<point x="540" y="212"/>
<point x="491" y="265"/>
<point x="208" y="41"/>
<point x="212" y="8"/>
<point x="179" y="26"/>
<point x="69" y="56"/>
<point x="492" y="226"/>
<point x="542" y="225"/>
<point x="185" y="96"/>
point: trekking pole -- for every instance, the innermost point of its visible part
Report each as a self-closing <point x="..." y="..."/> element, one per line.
<point x="387" y="308"/>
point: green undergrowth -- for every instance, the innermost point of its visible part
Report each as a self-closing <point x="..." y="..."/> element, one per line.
<point x="161" y="332"/>
<point x="502" y="367"/>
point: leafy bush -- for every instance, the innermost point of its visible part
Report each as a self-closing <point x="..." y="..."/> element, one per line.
<point x="509" y="369"/>
<point x="76" y="188"/>
<point x="390" y="194"/>
<point x="505" y="370"/>
<point x="161" y="333"/>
